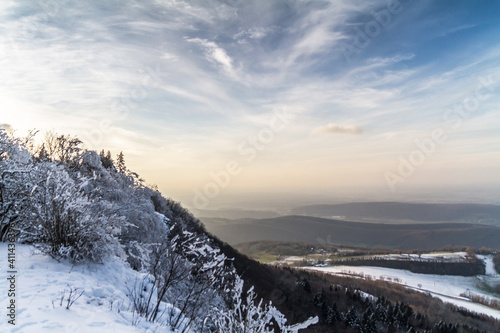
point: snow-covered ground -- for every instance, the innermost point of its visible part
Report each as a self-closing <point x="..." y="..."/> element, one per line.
<point x="42" y="281"/>
<point x="441" y="256"/>
<point x="490" y="265"/>
<point x="446" y="287"/>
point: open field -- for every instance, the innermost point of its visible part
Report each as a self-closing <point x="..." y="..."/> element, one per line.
<point x="267" y="251"/>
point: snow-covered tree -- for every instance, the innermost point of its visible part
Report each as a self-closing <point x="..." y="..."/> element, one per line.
<point x="15" y="185"/>
<point x="72" y="224"/>
<point x="248" y="316"/>
<point x="120" y="163"/>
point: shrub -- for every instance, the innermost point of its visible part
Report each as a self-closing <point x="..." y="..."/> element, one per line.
<point x="71" y="225"/>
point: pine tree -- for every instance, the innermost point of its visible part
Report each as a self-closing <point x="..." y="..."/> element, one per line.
<point x="120" y="163"/>
<point x="106" y="160"/>
<point x="368" y="323"/>
<point x="351" y="317"/>
<point x="306" y="285"/>
<point x="332" y="315"/>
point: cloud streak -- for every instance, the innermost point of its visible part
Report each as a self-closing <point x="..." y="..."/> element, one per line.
<point x="216" y="54"/>
<point x="338" y="129"/>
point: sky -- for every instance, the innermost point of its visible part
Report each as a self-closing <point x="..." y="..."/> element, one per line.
<point x="213" y="99"/>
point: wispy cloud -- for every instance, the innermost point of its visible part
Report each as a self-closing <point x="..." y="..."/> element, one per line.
<point x="217" y="55"/>
<point x="338" y="129"/>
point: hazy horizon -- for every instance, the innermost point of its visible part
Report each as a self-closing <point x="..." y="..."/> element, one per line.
<point x="221" y="102"/>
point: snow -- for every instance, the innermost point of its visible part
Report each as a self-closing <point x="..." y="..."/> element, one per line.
<point x="441" y="256"/>
<point x="445" y="255"/>
<point x="367" y="296"/>
<point x="446" y="287"/>
<point x="42" y="281"/>
<point x="294" y="258"/>
<point x="490" y="265"/>
<point x="306" y="324"/>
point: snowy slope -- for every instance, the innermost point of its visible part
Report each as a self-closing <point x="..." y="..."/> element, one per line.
<point x="42" y="281"/>
<point x="447" y="288"/>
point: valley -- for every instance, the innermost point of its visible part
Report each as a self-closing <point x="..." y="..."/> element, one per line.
<point x="458" y="290"/>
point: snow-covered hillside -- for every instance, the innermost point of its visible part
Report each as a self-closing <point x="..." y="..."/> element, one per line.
<point x="43" y="283"/>
<point x="128" y="259"/>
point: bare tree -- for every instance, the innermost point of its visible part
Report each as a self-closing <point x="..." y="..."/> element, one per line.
<point x="169" y="268"/>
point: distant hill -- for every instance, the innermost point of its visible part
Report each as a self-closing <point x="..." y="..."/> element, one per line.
<point x="234" y="213"/>
<point x="401" y="212"/>
<point x="314" y="230"/>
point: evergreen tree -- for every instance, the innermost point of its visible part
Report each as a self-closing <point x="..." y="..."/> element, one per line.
<point x="351" y="318"/>
<point x="106" y="160"/>
<point x="120" y="163"/>
<point x="332" y="315"/>
<point x="306" y="285"/>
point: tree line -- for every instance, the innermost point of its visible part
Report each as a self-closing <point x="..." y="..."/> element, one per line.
<point x="471" y="267"/>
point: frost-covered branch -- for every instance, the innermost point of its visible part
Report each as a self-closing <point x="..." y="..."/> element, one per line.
<point x="247" y="316"/>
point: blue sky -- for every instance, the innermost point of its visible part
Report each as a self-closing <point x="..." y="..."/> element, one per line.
<point x="184" y="87"/>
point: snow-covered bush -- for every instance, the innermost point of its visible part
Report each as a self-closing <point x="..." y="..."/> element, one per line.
<point x="14" y="149"/>
<point x="46" y="203"/>
<point x="71" y="224"/>
<point x="247" y="316"/>
<point x="185" y="273"/>
<point x="15" y="187"/>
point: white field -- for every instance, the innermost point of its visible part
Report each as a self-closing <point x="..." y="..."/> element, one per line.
<point x="446" y="287"/>
<point x="446" y="256"/>
<point x="442" y="256"/>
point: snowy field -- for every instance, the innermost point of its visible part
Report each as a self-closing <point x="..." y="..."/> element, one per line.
<point x="441" y="256"/>
<point x="42" y="281"/>
<point x="447" y="288"/>
<point x="434" y="256"/>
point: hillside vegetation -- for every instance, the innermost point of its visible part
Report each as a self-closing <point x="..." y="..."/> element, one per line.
<point x="273" y="249"/>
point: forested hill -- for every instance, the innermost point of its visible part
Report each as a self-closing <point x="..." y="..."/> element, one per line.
<point x="401" y="211"/>
<point x="315" y="230"/>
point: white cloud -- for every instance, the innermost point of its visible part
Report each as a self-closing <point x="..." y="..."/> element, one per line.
<point x="338" y="129"/>
<point x="252" y="33"/>
<point x="217" y="54"/>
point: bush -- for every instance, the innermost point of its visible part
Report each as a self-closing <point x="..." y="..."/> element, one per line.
<point x="71" y="225"/>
